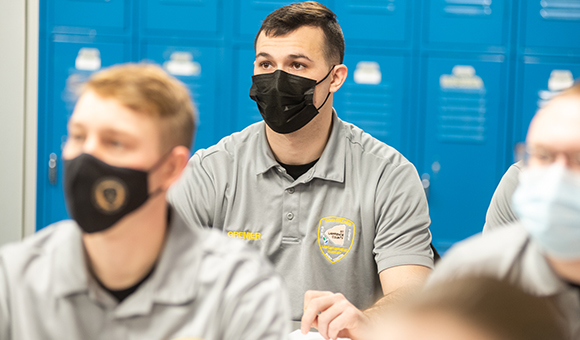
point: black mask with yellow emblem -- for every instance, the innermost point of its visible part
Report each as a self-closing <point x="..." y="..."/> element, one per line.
<point x="98" y="195"/>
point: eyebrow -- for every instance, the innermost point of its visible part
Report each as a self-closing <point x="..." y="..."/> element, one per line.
<point x="291" y="56"/>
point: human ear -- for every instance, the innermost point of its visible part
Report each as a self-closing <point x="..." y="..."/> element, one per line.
<point x="176" y="162"/>
<point x="338" y="77"/>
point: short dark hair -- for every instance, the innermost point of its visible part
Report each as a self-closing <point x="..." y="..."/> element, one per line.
<point x="310" y="13"/>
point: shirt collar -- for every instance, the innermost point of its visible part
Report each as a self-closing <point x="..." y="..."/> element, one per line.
<point x="265" y="159"/>
<point x="172" y="282"/>
<point x="331" y="164"/>
<point x="71" y="275"/>
<point x="537" y="270"/>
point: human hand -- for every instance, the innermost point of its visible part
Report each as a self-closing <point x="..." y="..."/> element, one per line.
<point x="333" y="315"/>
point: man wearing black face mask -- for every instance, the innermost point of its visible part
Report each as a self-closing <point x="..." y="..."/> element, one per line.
<point x="128" y="267"/>
<point x="334" y="209"/>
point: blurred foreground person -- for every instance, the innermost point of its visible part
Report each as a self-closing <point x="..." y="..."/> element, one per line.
<point x="472" y="309"/>
<point x="541" y="252"/>
<point x="127" y="266"/>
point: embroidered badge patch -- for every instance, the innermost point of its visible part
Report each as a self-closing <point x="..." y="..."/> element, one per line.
<point x="109" y="195"/>
<point x="335" y="237"/>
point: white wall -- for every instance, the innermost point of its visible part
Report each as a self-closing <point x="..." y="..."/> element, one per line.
<point x="18" y="88"/>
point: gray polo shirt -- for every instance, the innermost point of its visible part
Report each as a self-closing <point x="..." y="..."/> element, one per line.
<point x="500" y="212"/>
<point x="359" y="210"/>
<point x="204" y="286"/>
<point x="510" y="254"/>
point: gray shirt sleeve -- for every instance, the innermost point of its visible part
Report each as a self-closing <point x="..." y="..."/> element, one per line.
<point x="256" y="304"/>
<point x="500" y="210"/>
<point x="194" y="194"/>
<point x="261" y="312"/>
<point x="402" y="230"/>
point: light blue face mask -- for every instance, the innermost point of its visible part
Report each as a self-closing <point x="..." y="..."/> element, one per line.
<point x="547" y="202"/>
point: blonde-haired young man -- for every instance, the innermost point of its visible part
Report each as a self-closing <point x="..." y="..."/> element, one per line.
<point x="127" y="266"/>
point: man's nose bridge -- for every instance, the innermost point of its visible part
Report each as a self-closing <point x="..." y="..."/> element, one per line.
<point x="562" y="159"/>
<point x="91" y="146"/>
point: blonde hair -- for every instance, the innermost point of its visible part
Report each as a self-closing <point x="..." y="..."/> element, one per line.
<point x="498" y="307"/>
<point x="149" y="90"/>
<point x="574" y="90"/>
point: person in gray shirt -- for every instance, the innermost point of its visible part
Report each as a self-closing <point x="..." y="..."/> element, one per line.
<point x="342" y="216"/>
<point x="500" y="211"/>
<point x="128" y="266"/>
<point x="541" y="252"/>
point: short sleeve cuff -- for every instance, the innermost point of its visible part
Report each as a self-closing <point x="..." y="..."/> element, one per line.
<point x="404" y="260"/>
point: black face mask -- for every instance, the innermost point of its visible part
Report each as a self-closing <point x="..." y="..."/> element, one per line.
<point x="285" y="100"/>
<point x="98" y="195"/>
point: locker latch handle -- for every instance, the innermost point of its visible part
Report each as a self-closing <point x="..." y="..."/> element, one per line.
<point x="52" y="167"/>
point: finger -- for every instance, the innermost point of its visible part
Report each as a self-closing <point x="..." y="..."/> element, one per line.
<point x="325" y="318"/>
<point x="309" y="296"/>
<point x="314" y="294"/>
<point x="315" y="306"/>
<point x="347" y="320"/>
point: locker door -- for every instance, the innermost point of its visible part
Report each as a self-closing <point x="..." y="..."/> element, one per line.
<point x="253" y="12"/>
<point x="463" y="142"/>
<point x="374" y="94"/>
<point x="196" y="67"/>
<point x="245" y="109"/>
<point x="72" y="63"/>
<point x="468" y="22"/>
<point x="541" y="79"/>
<point x="185" y="18"/>
<point x="387" y="21"/>
<point x="94" y="17"/>
<point x="551" y="24"/>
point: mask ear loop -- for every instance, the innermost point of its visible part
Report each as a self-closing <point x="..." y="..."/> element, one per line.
<point x="328" y="95"/>
<point x="326" y="76"/>
<point x="156" y="166"/>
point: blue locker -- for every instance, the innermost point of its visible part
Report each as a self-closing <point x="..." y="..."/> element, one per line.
<point x="245" y="109"/>
<point x="460" y="23"/>
<point x="540" y="80"/>
<point x="374" y="94"/>
<point x="92" y="17"/>
<point x="549" y="24"/>
<point x="464" y="142"/>
<point x="196" y="67"/>
<point x="384" y="21"/>
<point x="250" y="14"/>
<point x="180" y="17"/>
<point x="73" y="62"/>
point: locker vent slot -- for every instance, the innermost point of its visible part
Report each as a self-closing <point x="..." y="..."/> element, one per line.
<point x="560" y="10"/>
<point x="371" y="6"/>
<point x="462" y="115"/>
<point x="477" y="8"/>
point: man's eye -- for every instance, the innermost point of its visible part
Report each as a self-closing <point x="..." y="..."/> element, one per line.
<point x="297" y="66"/>
<point x="544" y="157"/>
<point x="265" y="64"/>
<point x="76" y="137"/>
<point x="116" y="143"/>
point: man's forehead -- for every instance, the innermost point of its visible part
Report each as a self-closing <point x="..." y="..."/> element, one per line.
<point x="94" y="110"/>
<point x="306" y="41"/>
<point x="557" y="124"/>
